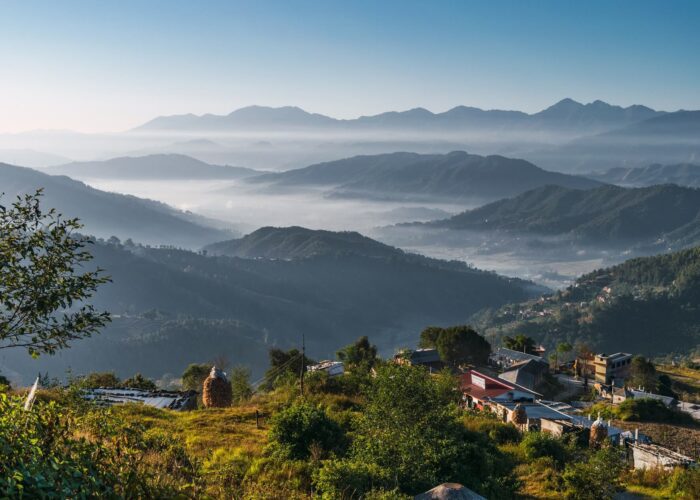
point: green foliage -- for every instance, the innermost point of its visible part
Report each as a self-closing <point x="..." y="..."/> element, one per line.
<point x="521" y="343"/>
<point x="409" y="436"/>
<point x="685" y="483"/>
<point x="43" y="295"/>
<point x="285" y="366"/>
<point x="138" y="381"/>
<point x="5" y="385"/>
<point x="341" y="479"/>
<point x="194" y="375"/>
<point x="649" y="410"/>
<point x="461" y="344"/>
<point x="541" y="444"/>
<point x="429" y="336"/>
<point x="595" y="479"/>
<point x="97" y="379"/>
<point x="304" y="429"/>
<point x="359" y="356"/>
<point x="240" y="384"/>
<point x="499" y="432"/>
<point x="43" y="458"/>
<point x="642" y="374"/>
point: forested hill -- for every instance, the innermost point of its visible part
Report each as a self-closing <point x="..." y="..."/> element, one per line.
<point x="109" y="214"/>
<point x="331" y="299"/>
<point x="666" y="214"/>
<point x="456" y="175"/>
<point x="648" y="305"/>
<point x="299" y="242"/>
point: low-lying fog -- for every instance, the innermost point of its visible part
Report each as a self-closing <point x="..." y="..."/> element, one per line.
<point x="246" y="208"/>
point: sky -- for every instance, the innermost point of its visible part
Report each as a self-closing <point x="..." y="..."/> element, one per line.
<point x="112" y="65"/>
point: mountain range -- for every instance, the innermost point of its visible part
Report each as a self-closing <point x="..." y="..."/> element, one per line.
<point x="566" y="113"/>
<point x="666" y="215"/>
<point x="192" y="307"/>
<point x="150" y="167"/>
<point x="454" y="176"/>
<point x="666" y="139"/>
<point x="109" y="214"/>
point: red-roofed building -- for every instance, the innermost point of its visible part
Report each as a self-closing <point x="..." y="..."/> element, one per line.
<point x="480" y="390"/>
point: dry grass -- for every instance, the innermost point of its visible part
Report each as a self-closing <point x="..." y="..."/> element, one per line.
<point x="204" y="431"/>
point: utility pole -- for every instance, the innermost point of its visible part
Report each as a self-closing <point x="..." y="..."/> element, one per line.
<point x="303" y="362"/>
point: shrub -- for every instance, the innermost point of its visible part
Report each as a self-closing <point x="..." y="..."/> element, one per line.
<point x="302" y="428"/>
<point x="340" y="479"/>
<point x="138" y="381"/>
<point x="649" y="410"/>
<point x="43" y="458"/>
<point x="97" y="379"/>
<point x="685" y="483"/>
<point x="500" y="432"/>
<point x="541" y="444"/>
<point x="596" y="479"/>
<point x="226" y="469"/>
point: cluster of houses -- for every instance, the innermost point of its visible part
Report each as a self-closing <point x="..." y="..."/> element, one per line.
<point x="507" y="387"/>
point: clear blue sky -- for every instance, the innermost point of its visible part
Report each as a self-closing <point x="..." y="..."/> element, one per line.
<point x="110" y="65"/>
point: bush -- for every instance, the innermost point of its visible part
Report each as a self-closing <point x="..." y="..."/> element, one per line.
<point x="500" y="432"/>
<point x="596" y="479"/>
<point x="650" y="410"/>
<point x="97" y="379"/>
<point x="541" y="444"/>
<point x="685" y="483"/>
<point x="138" y="381"/>
<point x="340" y="479"/>
<point x="302" y="429"/>
<point x="43" y="458"/>
<point x="226" y="470"/>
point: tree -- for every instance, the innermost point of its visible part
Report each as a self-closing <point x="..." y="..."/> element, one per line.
<point x="359" y="356"/>
<point x="642" y="374"/>
<point x="98" y="379"/>
<point x="461" y="344"/>
<point x="284" y="364"/>
<point x="138" y="381"/>
<point x="240" y="383"/>
<point x="520" y="343"/>
<point x="561" y="349"/>
<point x="409" y="435"/>
<point x="429" y="336"/>
<point x="43" y="291"/>
<point x="194" y="375"/>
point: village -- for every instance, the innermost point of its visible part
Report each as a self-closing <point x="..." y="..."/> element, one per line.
<point x="507" y="386"/>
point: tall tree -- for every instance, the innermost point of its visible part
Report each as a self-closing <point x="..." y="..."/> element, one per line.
<point x="284" y="365"/>
<point x="359" y="356"/>
<point x="240" y="383"/>
<point x="429" y="336"/>
<point x="43" y="287"/>
<point x="461" y="344"/>
<point x="561" y="349"/>
<point x="194" y="375"/>
<point x="643" y="374"/>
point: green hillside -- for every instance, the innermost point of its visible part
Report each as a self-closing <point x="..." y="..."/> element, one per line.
<point x="645" y="305"/>
<point x="662" y="215"/>
<point x="247" y="305"/>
